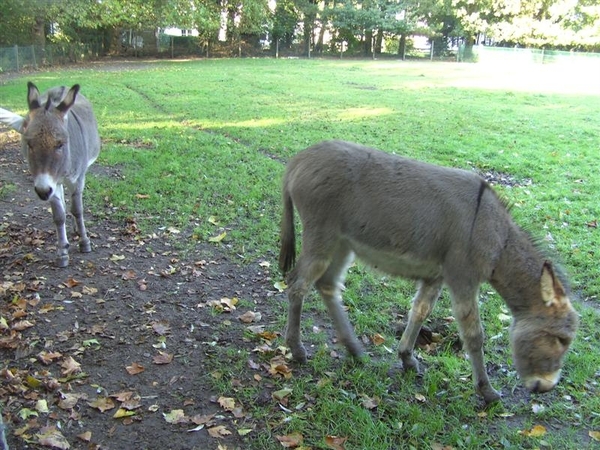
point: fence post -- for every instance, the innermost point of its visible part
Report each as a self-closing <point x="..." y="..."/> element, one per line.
<point x="17" y="56"/>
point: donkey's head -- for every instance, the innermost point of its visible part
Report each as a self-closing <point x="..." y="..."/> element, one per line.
<point x="46" y="138"/>
<point x="541" y="335"/>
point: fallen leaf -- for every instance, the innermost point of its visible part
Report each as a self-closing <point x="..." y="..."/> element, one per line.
<point x="175" y="416"/>
<point x="135" y="368"/>
<point x="22" y="325"/>
<point x="218" y="238"/>
<point x="48" y="357"/>
<point x="71" y="283"/>
<point x="162" y="358"/>
<point x="122" y="412"/>
<point x="227" y="403"/>
<point x="377" y="339"/>
<point x="219" y="431"/>
<point x="281" y="394"/>
<point x="86" y="436"/>
<point x="420" y="397"/>
<point x="280" y="286"/>
<point x="335" y="442"/>
<point x="70" y="366"/>
<point x="162" y="327"/>
<point x="595" y="435"/>
<point x="202" y="419"/>
<point x="536" y="431"/>
<point x="51" y="437"/>
<point x="292" y="440"/>
<point x="42" y="406"/>
<point x="248" y="317"/>
<point x="102" y="403"/>
<point x="370" y="402"/>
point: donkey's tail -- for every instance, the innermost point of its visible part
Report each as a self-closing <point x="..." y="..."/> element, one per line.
<point x="287" y="252"/>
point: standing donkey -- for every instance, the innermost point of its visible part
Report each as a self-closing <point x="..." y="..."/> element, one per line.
<point x="60" y="140"/>
<point x="437" y="225"/>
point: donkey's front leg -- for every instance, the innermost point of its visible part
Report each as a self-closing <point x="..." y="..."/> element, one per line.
<point x="77" y="211"/>
<point x="466" y="312"/>
<point x="57" y="203"/>
<point x="422" y="305"/>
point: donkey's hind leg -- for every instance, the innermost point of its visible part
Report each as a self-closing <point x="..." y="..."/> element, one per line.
<point x="422" y="305"/>
<point x="330" y="286"/>
<point x="309" y="268"/>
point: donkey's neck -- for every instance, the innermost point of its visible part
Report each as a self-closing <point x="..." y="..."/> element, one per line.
<point x="516" y="276"/>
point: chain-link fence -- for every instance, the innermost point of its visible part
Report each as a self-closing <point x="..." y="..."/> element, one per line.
<point x="35" y="56"/>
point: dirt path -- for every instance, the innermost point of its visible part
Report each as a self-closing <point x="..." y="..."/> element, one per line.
<point x="125" y="330"/>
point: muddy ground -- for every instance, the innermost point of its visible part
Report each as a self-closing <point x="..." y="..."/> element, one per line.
<point x="124" y="331"/>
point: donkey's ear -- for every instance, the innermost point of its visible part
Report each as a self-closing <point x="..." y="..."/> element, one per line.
<point x="69" y="99"/>
<point x="33" y="96"/>
<point x="553" y="292"/>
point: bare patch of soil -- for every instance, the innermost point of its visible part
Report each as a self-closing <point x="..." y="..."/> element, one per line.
<point x="126" y="330"/>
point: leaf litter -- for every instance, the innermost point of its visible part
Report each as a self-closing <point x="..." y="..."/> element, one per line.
<point x="101" y="353"/>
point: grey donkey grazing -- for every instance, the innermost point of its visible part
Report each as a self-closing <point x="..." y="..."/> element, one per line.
<point x="60" y="140"/>
<point x="437" y="225"/>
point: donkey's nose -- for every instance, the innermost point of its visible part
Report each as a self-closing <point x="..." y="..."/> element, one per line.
<point x="43" y="193"/>
<point x="544" y="383"/>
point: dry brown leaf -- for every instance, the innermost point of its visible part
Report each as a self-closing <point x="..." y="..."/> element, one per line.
<point x="162" y="358"/>
<point x="135" y="368"/>
<point x="51" y="437"/>
<point x="86" y="437"/>
<point x="202" y="419"/>
<point x="377" y="339"/>
<point x="70" y="366"/>
<point x="129" y="275"/>
<point x="227" y="403"/>
<point x="48" y="357"/>
<point x="248" y="317"/>
<point x="161" y="327"/>
<point x="68" y="401"/>
<point x="22" y="325"/>
<point x="292" y="440"/>
<point x="102" y="403"/>
<point x="71" y="283"/>
<point x="220" y="431"/>
<point x="335" y="442"/>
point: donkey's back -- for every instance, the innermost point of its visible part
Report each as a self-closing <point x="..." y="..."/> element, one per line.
<point x="405" y="217"/>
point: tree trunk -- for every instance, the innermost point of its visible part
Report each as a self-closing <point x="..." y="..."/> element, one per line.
<point x="39" y="31"/>
<point x="368" y="43"/>
<point x="402" y="46"/>
<point x="378" y="42"/>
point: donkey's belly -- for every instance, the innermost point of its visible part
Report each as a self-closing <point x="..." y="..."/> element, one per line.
<point x="400" y="265"/>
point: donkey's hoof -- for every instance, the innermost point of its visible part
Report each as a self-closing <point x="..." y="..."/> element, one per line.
<point x="490" y="395"/>
<point x="299" y="354"/>
<point x="85" y="246"/>
<point x="62" y="261"/>
<point x="409" y="362"/>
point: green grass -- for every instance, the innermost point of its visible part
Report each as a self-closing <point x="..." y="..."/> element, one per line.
<point x="200" y="146"/>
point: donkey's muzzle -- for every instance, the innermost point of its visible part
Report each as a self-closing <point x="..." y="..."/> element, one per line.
<point x="541" y="384"/>
<point x="44" y="193"/>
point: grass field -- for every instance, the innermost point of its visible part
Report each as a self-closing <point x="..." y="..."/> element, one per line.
<point x="201" y="146"/>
